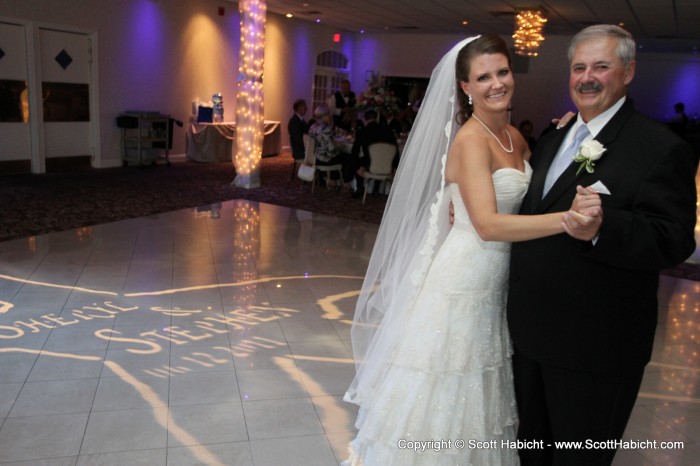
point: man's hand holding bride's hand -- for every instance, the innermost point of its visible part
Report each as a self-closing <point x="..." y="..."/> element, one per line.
<point x="584" y="219"/>
<point x="587" y="202"/>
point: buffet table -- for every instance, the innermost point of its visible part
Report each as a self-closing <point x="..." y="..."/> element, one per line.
<point x="215" y="142"/>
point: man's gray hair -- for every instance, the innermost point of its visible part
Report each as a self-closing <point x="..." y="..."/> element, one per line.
<point x="626" y="47"/>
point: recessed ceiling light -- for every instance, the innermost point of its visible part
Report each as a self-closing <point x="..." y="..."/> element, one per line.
<point x="465" y="23"/>
<point x="289" y="15"/>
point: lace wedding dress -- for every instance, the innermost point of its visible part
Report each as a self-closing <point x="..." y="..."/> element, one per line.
<point x="449" y="379"/>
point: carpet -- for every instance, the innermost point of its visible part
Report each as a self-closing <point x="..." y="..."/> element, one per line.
<point x="63" y="200"/>
<point x="76" y="197"/>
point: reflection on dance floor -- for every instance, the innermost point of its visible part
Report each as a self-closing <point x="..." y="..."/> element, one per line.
<point x="220" y="335"/>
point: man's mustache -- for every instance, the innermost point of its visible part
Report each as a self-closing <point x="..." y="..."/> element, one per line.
<point x="589" y="87"/>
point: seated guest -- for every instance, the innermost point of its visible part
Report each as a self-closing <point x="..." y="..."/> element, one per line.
<point x="679" y="122"/>
<point x="297" y="128"/>
<point x="326" y="151"/>
<point x="350" y="122"/>
<point x="389" y="118"/>
<point x="526" y="129"/>
<point x="372" y="132"/>
<point x="405" y="117"/>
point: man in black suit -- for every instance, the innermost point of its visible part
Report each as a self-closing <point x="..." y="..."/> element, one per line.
<point x="389" y="118"/>
<point x="297" y="127"/>
<point x="371" y="133"/>
<point x="340" y="103"/>
<point x="582" y="312"/>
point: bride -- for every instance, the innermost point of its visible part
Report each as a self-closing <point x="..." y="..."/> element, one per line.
<point x="434" y="380"/>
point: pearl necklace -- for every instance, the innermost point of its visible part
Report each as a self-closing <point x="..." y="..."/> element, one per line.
<point x="494" y="136"/>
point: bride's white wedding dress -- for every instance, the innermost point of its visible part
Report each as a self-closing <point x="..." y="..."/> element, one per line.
<point x="450" y="377"/>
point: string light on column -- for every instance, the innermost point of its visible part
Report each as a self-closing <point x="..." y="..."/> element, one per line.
<point x="528" y="32"/>
<point x="246" y="253"/>
<point x="250" y="123"/>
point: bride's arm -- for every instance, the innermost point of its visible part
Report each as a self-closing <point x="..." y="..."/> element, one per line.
<point x="470" y="166"/>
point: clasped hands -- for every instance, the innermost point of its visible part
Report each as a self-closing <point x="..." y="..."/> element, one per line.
<point x="582" y="221"/>
<point x="585" y="217"/>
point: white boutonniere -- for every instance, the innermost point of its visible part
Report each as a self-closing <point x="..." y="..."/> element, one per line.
<point x="588" y="153"/>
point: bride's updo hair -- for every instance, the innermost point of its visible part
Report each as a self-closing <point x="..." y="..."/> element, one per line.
<point x="486" y="44"/>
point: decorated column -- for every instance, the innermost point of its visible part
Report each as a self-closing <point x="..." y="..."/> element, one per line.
<point x="250" y="123"/>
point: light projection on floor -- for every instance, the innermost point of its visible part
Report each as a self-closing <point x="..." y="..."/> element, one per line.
<point x="192" y="326"/>
<point x="215" y="326"/>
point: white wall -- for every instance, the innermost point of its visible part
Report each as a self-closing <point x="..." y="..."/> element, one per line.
<point x="153" y="55"/>
<point x="542" y="92"/>
<point x="291" y="48"/>
<point x="161" y="54"/>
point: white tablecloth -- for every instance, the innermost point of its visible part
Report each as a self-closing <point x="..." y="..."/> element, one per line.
<point x="215" y="142"/>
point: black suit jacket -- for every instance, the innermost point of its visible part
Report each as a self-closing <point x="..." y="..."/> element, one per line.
<point x="341" y="104"/>
<point x="371" y="133"/>
<point x="594" y="307"/>
<point x="394" y="125"/>
<point x="340" y="100"/>
<point x="297" y="128"/>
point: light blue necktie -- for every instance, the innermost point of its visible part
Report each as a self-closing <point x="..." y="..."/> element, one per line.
<point x="564" y="159"/>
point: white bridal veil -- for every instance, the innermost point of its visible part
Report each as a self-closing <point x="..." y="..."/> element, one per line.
<point x="415" y="223"/>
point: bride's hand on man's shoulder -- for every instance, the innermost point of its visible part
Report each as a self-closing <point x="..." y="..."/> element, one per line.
<point x="561" y="122"/>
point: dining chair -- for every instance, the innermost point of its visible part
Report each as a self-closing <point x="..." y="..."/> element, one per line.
<point x="295" y="165"/>
<point x="381" y="156"/>
<point x="296" y="162"/>
<point x="310" y="159"/>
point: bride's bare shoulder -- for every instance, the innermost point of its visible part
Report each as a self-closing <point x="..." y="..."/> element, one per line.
<point x="468" y="140"/>
<point x="469" y="149"/>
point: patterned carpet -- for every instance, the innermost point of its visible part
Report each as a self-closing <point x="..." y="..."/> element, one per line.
<point x="36" y="204"/>
<point x="63" y="200"/>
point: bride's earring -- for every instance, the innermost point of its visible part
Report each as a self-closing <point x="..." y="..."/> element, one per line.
<point x="470" y="99"/>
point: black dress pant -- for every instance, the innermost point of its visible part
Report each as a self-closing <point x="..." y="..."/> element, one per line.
<point x="564" y="405"/>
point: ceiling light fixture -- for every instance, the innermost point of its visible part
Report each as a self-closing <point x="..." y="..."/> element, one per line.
<point x="528" y="31"/>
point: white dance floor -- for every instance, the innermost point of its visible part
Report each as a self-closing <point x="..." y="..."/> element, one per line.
<point x="193" y="338"/>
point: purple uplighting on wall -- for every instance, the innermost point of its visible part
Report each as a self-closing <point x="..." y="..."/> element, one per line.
<point x="685" y="89"/>
<point x="660" y="83"/>
<point x="302" y="47"/>
<point x="147" y="51"/>
<point x="367" y="47"/>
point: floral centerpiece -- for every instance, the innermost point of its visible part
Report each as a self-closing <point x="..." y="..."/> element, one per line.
<point x="377" y="98"/>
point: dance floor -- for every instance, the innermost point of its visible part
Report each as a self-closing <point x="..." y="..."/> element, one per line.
<point x="220" y="336"/>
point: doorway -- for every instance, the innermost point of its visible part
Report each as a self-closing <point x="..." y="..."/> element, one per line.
<point x="54" y="71"/>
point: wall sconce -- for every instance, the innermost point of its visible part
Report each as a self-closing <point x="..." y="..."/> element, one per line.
<point x="528" y="31"/>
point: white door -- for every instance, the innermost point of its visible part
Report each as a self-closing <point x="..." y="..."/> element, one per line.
<point x="64" y="62"/>
<point x="14" y="103"/>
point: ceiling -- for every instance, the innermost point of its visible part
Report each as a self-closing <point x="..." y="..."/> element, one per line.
<point x="657" y="25"/>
